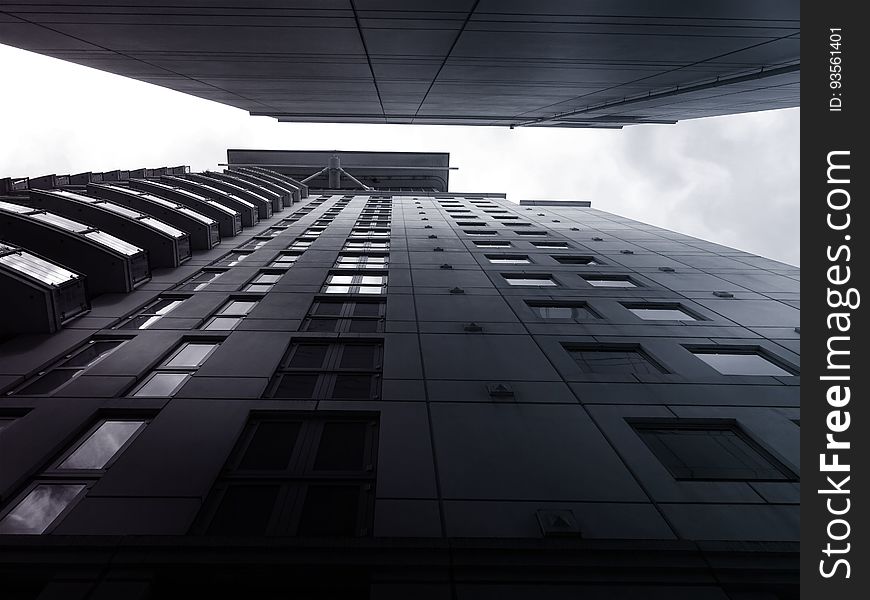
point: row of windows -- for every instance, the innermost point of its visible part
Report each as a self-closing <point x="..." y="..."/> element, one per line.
<point x="314" y="475"/>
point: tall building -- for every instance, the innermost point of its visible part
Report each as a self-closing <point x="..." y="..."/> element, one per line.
<point x="385" y="393"/>
<point x="510" y="63"/>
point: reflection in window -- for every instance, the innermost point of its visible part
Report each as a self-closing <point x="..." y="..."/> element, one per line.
<point x="577" y="311"/>
<point x="201" y="280"/>
<point x="230" y="315"/>
<point x="532" y="280"/>
<point x="356" y="284"/>
<point x="710" y="452"/>
<point x="165" y="380"/>
<point x="610" y="282"/>
<point x="39" y="508"/>
<point x="613" y="360"/>
<point x="99" y="447"/>
<point x="508" y="259"/>
<point x="153" y="313"/>
<point x="69" y="367"/>
<point x="740" y="362"/>
<point x="660" y="313"/>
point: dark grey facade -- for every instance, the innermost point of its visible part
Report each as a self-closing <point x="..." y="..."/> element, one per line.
<point x="467" y="62"/>
<point x="383" y="394"/>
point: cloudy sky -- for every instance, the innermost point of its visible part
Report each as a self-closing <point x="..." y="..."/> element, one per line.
<point x="732" y="180"/>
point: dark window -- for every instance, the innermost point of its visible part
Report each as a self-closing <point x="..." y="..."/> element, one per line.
<point x="576" y="260"/>
<point x="576" y="311"/>
<point x="729" y="361"/>
<point x="309" y="475"/>
<point x="718" y="451"/>
<point x="348" y="370"/>
<point x="613" y="360"/>
<point x="69" y="367"/>
<point x="335" y="315"/>
<point x="152" y="313"/>
<point x="659" y="312"/>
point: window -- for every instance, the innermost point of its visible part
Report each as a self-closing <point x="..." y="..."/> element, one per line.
<point x="576" y="311"/>
<point x="329" y="369"/>
<point x="301" y="244"/>
<point x="69" y="367"/>
<point x="232" y="259"/>
<point x="728" y="361"/>
<point x="367" y="245"/>
<point x="503" y="217"/>
<point x="231" y="314"/>
<point x="530" y="279"/>
<point x="531" y="232"/>
<point x="576" y="260"/>
<point x="709" y="450"/>
<point x="492" y="244"/>
<point x="165" y="380"/>
<point x="152" y="313"/>
<point x="610" y="282"/>
<point x="550" y="245"/>
<point x="264" y="281"/>
<point x="200" y="280"/>
<point x="362" y="261"/>
<point x="42" y="505"/>
<point x="353" y="316"/>
<point x="254" y="243"/>
<point x="300" y="474"/>
<point x="313" y="232"/>
<point x="660" y="312"/>
<point x="479" y="232"/>
<point x="369" y="233"/>
<point x="609" y="360"/>
<point x="356" y="284"/>
<point x="273" y="231"/>
<point x="508" y="259"/>
<point x="285" y="260"/>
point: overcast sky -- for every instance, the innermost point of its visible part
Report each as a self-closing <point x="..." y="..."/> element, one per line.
<point x="732" y="180"/>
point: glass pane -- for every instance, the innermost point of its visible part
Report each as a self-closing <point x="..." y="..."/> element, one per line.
<point x="260" y="288"/>
<point x="365" y="325"/>
<point x="555" y="312"/>
<point x="92" y="353"/>
<point x="39" y="508"/>
<point x="342" y="447"/>
<point x="191" y="355"/>
<point x="271" y="446"/>
<point x="328" y="308"/>
<point x="309" y="356"/>
<point x="373" y="279"/>
<point x="337" y="289"/>
<point x="245" y="510"/>
<point x="613" y="361"/>
<point x="164" y="306"/>
<point x="238" y="307"/>
<point x="741" y="364"/>
<point x="300" y="386"/>
<point x="161" y="385"/>
<point x="367" y="309"/>
<point x="611" y="283"/>
<point x="268" y="278"/>
<point x="330" y="510"/>
<point x="359" y="356"/>
<point x="531" y="281"/>
<point x="365" y="289"/>
<point x="322" y="325"/>
<point x="662" y="314"/>
<point x="101" y="445"/>
<point x="341" y="279"/>
<point x="352" y="387"/>
<point x="49" y="382"/>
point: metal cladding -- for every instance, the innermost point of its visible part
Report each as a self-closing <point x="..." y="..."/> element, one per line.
<point x="38" y="295"/>
<point x="167" y="246"/>
<point x="111" y="264"/>
<point x="249" y="210"/>
<point x="203" y="230"/>
<point x="229" y="219"/>
<point x="274" y="197"/>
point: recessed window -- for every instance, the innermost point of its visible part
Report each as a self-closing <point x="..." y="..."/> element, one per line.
<point x="201" y="280"/>
<point x="285" y="260"/>
<point x="152" y="313"/>
<point x="356" y="284"/>
<point x="575" y="311"/>
<point x="610" y="282"/>
<point x="274" y="485"/>
<point x="550" y="245"/>
<point x="504" y="217"/>
<point x="615" y="360"/>
<point x="740" y="362"/>
<point x="336" y="370"/>
<point x="232" y="259"/>
<point x="98" y="448"/>
<point x="479" y="232"/>
<point x="370" y="233"/>
<point x="69" y="367"/>
<point x="339" y="315"/>
<point x="230" y="315"/>
<point x="42" y="505"/>
<point x="264" y="281"/>
<point x="165" y="380"/>
<point x="301" y="244"/>
<point x="492" y="244"/>
<point x="362" y="261"/>
<point x="530" y="233"/>
<point x="530" y="279"/>
<point x="576" y="260"/>
<point x="508" y="259"/>
<point x="660" y="312"/>
<point x="367" y="245"/>
<point x="255" y="243"/>
<point x="710" y="451"/>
